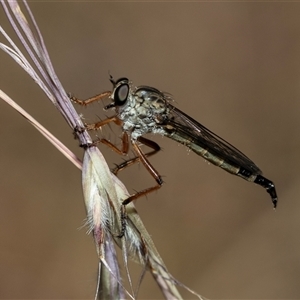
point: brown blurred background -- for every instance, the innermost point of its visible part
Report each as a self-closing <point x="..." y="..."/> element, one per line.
<point x="234" y="67"/>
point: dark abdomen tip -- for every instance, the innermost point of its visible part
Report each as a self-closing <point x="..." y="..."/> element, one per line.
<point x="269" y="186"/>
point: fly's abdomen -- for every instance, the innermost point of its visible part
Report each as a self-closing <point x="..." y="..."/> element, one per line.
<point x="212" y="157"/>
<point x="225" y="162"/>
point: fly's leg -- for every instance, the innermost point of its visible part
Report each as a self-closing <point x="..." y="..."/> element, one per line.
<point x="125" y="144"/>
<point x="125" y="140"/>
<point x="98" y="124"/>
<point x="142" y="157"/>
<point x="132" y="161"/>
<point x="90" y="100"/>
<point x="95" y="126"/>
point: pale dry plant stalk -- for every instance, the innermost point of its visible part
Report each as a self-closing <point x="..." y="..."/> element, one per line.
<point x="103" y="192"/>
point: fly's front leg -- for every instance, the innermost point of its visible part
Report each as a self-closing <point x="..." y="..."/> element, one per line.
<point x="142" y="157"/>
<point x="87" y="102"/>
<point x="90" y="100"/>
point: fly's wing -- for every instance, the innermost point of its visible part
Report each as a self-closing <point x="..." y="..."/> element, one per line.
<point x="193" y="133"/>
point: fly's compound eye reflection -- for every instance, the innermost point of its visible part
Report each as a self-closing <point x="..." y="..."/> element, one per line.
<point x="141" y="110"/>
<point x="120" y="94"/>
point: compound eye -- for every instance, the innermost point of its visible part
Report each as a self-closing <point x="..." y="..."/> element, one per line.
<point x="121" y="94"/>
<point x="122" y="79"/>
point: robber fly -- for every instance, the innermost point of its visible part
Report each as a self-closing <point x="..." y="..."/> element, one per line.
<point x="143" y="109"/>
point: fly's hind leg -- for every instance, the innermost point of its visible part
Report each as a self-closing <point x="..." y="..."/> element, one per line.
<point x="140" y="157"/>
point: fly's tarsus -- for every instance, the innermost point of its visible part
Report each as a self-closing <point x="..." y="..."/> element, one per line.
<point x="143" y="192"/>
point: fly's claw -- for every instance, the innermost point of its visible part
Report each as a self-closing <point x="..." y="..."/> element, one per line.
<point x="76" y="100"/>
<point x="78" y="129"/>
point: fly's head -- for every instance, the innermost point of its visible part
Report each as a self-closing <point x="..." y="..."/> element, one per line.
<point x="120" y="94"/>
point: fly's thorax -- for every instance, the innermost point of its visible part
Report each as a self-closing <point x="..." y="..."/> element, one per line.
<point x="144" y="111"/>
